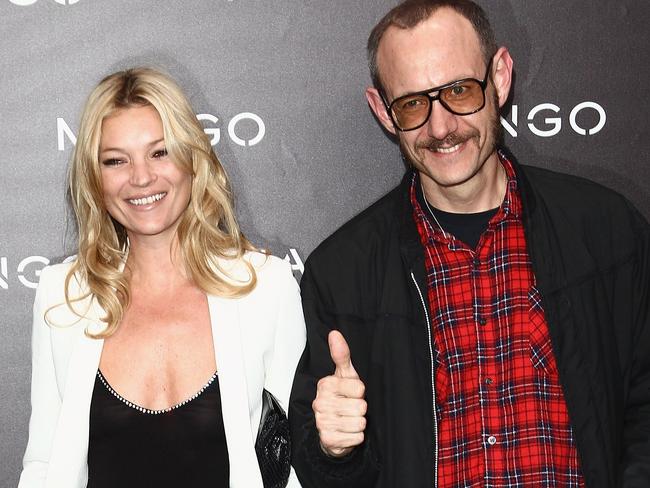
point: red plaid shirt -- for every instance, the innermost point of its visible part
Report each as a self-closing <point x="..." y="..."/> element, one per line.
<point x="502" y="418"/>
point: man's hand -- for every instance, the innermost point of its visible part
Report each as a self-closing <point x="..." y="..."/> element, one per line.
<point x="339" y="406"/>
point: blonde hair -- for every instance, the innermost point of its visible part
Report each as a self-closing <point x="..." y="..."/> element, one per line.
<point x="208" y="229"/>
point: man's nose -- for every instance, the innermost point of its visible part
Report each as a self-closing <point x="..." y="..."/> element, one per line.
<point x="441" y="122"/>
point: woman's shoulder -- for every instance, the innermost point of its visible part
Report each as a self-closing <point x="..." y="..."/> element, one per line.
<point x="274" y="276"/>
<point x="267" y="265"/>
<point x="270" y="273"/>
<point x="52" y="277"/>
<point x="61" y="309"/>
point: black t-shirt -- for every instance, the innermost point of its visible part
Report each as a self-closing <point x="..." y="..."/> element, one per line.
<point x="134" y="447"/>
<point x="466" y="227"/>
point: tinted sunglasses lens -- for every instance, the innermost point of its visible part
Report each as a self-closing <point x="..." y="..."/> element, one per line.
<point x="463" y="98"/>
<point x="410" y="111"/>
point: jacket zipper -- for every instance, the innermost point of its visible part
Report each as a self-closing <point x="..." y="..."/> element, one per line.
<point x="433" y="384"/>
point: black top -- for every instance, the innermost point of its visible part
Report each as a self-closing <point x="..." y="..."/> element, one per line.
<point x="466" y="227"/>
<point x="130" y="446"/>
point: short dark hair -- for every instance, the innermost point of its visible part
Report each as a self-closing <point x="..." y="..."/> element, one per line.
<point x="410" y="13"/>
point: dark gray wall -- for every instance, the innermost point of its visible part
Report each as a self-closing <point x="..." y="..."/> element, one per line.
<point x="299" y="67"/>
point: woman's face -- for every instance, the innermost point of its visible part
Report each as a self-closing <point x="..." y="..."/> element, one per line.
<point x="144" y="190"/>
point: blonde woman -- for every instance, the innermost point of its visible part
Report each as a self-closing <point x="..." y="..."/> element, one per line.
<point x="152" y="349"/>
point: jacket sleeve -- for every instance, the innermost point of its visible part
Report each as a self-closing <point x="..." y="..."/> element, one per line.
<point x="45" y="399"/>
<point x="314" y="468"/>
<point x="288" y="344"/>
<point x="636" y="444"/>
<point x="289" y="340"/>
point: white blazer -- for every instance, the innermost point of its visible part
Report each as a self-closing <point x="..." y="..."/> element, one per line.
<point x="258" y="340"/>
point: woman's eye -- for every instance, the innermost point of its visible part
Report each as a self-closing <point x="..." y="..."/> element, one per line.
<point x="112" y="162"/>
<point x="161" y="153"/>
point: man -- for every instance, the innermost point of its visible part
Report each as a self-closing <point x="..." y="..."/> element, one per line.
<point x="493" y="325"/>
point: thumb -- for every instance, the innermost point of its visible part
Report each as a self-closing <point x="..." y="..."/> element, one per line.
<point x="340" y="353"/>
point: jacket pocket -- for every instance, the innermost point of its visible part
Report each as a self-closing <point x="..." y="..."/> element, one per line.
<point x="541" y="349"/>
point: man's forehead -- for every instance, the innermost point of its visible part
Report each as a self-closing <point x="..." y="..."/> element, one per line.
<point x="443" y="46"/>
<point x="445" y="25"/>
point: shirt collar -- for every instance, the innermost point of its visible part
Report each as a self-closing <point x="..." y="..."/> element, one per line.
<point x="510" y="208"/>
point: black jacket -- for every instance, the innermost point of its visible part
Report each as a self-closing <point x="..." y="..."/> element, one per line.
<point x="590" y="252"/>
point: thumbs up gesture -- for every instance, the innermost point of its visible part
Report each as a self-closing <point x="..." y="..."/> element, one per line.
<point x="339" y="406"/>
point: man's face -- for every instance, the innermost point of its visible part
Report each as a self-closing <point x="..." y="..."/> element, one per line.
<point x="448" y="150"/>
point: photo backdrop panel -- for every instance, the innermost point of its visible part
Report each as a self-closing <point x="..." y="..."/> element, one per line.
<point x="279" y="87"/>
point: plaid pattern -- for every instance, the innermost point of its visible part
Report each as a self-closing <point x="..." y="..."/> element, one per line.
<point x="502" y="418"/>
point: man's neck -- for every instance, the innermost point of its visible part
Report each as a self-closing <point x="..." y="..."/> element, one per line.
<point x="483" y="191"/>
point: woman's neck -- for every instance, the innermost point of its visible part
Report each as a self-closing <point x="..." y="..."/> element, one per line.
<point x="155" y="264"/>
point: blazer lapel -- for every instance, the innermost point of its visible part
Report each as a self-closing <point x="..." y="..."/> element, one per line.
<point x="68" y="464"/>
<point x="244" y="470"/>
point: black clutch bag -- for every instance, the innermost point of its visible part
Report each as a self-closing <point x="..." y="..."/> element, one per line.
<point x="273" y="444"/>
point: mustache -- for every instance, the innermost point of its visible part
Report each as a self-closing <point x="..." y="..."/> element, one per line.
<point x="432" y="144"/>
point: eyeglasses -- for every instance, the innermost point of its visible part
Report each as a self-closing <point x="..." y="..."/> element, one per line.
<point x="460" y="97"/>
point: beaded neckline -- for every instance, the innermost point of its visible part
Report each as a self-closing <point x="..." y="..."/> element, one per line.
<point x="147" y="410"/>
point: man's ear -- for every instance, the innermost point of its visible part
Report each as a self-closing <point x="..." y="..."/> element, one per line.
<point x="502" y="74"/>
<point x="379" y="108"/>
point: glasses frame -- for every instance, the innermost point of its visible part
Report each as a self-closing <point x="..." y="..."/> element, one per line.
<point x="432" y="98"/>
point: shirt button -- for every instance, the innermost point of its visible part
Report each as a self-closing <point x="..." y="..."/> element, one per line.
<point x="492" y="440"/>
<point x="476" y="262"/>
<point x="489" y="381"/>
<point x="482" y="320"/>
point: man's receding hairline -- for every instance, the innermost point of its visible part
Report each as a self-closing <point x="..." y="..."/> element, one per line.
<point x="393" y="25"/>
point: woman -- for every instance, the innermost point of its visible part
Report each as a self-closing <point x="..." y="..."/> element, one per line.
<point x="151" y="350"/>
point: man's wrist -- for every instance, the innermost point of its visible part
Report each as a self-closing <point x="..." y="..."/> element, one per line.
<point x="343" y="453"/>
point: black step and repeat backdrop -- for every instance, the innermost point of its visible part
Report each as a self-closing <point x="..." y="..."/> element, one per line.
<point x="279" y="87"/>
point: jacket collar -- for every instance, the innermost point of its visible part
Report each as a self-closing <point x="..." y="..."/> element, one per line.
<point x="409" y="239"/>
<point x="228" y="349"/>
<point x="541" y="255"/>
<point x="528" y="199"/>
<point x="557" y="250"/>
